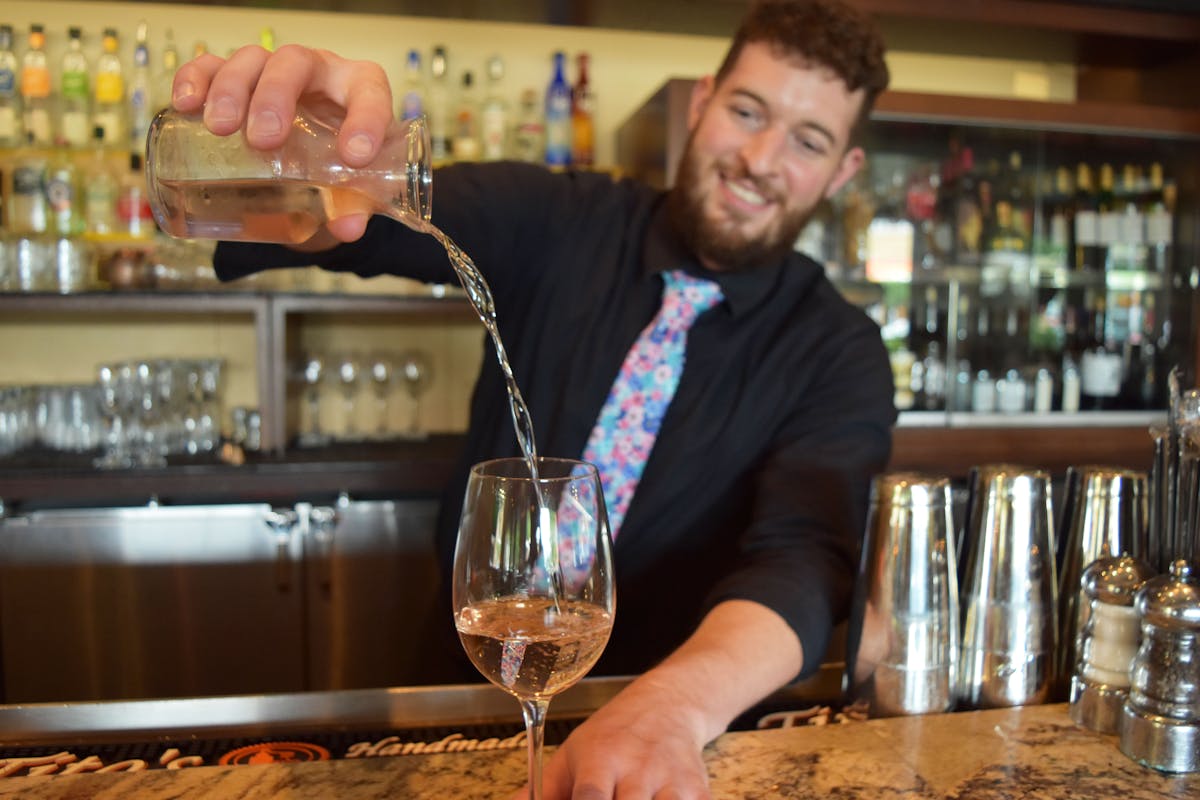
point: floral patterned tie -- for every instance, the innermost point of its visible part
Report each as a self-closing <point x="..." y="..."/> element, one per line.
<point x="629" y="421"/>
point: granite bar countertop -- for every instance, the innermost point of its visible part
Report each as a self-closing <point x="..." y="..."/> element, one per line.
<point x="1031" y="752"/>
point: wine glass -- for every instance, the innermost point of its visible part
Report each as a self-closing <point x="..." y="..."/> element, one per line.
<point x="311" y="373"/>
<point x="416" y="375"/>
<point x="348" y="374"/>
<point x="533" y="582"/>
<point x="380" y="371"/>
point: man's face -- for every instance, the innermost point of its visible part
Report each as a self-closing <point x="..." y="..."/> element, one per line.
<point x="767" y="144"/>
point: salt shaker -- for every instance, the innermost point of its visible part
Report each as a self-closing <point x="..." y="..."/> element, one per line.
<point x="1160" y="721"/>
<point x="1108" y="641"/>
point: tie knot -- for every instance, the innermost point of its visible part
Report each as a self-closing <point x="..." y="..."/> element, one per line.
<point x="686" y="297"/>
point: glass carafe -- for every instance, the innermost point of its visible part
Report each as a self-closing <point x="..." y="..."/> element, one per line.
<point x="218" y="187"/>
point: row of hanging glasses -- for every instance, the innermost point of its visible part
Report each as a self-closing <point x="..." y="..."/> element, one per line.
<point x="354" y="397"/>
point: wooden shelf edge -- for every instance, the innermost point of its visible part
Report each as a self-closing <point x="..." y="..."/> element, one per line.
<point x="1083" y="116"/>
<point x="151" y="302"/>
<point x="1047" y="15"/>
<point x="953" y="451"/>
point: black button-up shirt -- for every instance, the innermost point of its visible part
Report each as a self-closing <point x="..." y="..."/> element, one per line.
<point x="758" y="482"/>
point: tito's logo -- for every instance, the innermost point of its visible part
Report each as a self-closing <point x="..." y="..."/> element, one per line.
<point x="275" y="753"/>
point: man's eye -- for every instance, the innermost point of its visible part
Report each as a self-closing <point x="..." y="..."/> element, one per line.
<point x="746" y="115"/>
<point x="808" y="144"/>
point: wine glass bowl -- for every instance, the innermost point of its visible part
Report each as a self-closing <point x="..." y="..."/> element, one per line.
<point x="533" y="591"/>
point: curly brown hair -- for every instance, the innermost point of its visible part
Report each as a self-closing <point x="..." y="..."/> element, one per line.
<point x="828" y="33"/>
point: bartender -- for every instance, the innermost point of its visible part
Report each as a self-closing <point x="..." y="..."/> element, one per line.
<point x="737" y="468"/>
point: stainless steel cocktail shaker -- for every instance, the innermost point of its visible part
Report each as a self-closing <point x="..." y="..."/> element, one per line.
<point x="903" y="633"/>
<point x="1009" y="589"/>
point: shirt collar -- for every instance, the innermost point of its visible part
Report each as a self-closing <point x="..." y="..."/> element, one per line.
<point x="663" y="250"/>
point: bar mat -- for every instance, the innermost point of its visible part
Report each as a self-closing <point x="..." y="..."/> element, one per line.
<point x="181" y="752"/>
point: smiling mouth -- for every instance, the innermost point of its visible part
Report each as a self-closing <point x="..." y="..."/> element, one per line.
<point x="746" y="193"/>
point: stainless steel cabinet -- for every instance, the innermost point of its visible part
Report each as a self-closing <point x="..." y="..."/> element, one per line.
<point x="371" y="579"/>
<point x="119" y="603"/>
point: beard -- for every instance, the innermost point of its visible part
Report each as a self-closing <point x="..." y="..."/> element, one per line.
<point x="720" y="247"/>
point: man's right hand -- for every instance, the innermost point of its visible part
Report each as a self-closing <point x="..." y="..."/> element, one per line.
<point x="264" y="87"/>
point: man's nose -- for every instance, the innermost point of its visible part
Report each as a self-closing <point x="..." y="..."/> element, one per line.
<point x="762" y="150"/>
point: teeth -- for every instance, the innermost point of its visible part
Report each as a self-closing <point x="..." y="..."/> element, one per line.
<point x="744" y="193"/>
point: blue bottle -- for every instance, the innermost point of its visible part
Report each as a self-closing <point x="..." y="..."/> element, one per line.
<point x="558" y="115"/>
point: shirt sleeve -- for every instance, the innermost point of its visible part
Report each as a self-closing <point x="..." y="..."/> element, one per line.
<point x="491" y="211"/>
<point x="799" y="553"/>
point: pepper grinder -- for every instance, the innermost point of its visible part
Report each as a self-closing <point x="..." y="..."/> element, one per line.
<point x="1160" y="721"/>
<point x="1108" y="641"/>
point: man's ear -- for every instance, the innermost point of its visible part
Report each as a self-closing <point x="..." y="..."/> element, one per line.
<point x="850" y="164"/>
<point x="702" y="92"/>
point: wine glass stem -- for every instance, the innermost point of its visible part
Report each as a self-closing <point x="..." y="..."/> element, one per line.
<point x="534" y="711"/>
<point x="414" y="420"/>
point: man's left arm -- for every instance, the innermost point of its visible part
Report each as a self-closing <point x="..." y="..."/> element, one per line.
<point x="650" y="736"/>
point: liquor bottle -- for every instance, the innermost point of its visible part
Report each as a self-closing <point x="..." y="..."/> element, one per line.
<point x="558" y="115"/>
<point x="529" y="133"/>
<point x="895" y="331"/>
<point x="100" y="190"/>
<point x="1073" y="347"/>
<point x="74" y="93"/>
<point x="983" y="362"/>
<point x="890" y="236"/>
<point x="166" y="76"/>
<point x="986" y="190"/>
<point x="109" y="108"/>
<point x="1012" y="384"/>
<point x="1100" y="369"/>
<point x="1013" y="187"/>
<point x="1160" y="221"/>
<point x="968" y="214"/>
<point x="1109" y="219"/>
<point x="929" y="371"/>
<point x="1087" y="255"/>
<point x="465" y="143"/>
<point x="856" y="203"/>
<point x="1006" y="245"/>
<point x="63" y="198"/>
<point x="27" y="207"/>
<point x="1128" y="252"/>
<point x="920" y="200"/>
<point x="944" y="238"/>
<point x="134" y="217"/>
<point x="958" y="396"/>
<point x="1053" y="248"/>
<point x="10" y="101"/>
<point x="412" y="97"/>
<point x="583" y="125"/>
<point x="494" y="117"/>
<point x="142" y="100"/>
<point x="35" y="89"/>
<point x="438" y="106"/>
